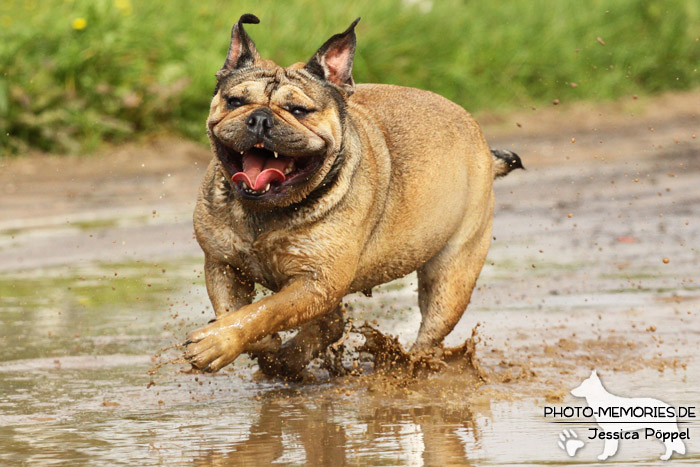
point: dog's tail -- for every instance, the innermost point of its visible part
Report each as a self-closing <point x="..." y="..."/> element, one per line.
<point x="505" y="161"/>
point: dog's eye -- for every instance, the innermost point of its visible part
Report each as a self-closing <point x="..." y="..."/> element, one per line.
<point x="299" y="111"/>
<point x="233" y="102"/>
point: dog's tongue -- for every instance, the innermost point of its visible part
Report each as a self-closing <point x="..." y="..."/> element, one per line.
<point x="259" y="170"/>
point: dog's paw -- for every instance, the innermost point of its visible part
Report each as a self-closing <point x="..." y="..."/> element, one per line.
<point x="213" y="346"/>
<point x="569" y="442"/>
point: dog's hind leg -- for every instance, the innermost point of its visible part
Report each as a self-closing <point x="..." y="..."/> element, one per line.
<point x="308" y="343"/>
<point x="676" y="445"/>
<point x="445" y="283"/>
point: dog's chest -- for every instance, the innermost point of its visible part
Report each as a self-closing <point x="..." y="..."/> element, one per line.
<point x="272" y="258"/>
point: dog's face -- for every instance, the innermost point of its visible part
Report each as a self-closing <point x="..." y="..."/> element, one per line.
<point x="277" y="131"/>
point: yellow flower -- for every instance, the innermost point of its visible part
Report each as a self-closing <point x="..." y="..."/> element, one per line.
<point x="79" y="23"/>
<point x="124" y="6"/>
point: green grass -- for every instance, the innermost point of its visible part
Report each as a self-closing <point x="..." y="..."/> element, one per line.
<point x="149" y="66"/>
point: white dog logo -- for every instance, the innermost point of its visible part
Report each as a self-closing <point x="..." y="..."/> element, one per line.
<point x="607" y="408"/>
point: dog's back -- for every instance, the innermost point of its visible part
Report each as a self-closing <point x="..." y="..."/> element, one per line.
<point x="437" y="155"/>
<point x="427" y="135"/>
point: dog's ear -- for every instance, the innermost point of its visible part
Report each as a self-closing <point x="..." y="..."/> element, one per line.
<point x="333" y="61"/>
<point x="241" y="51"/>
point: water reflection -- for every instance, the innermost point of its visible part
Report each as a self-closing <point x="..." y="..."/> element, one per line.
<point x="326" y="430"/>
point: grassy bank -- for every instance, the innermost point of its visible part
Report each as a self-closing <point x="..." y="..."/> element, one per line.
<point x="75" y="73"/>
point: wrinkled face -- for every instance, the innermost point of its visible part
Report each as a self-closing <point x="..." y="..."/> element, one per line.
<point x="277" y="132"/>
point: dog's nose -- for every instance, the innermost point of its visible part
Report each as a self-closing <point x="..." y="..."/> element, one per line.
<point x="260" y="122"/>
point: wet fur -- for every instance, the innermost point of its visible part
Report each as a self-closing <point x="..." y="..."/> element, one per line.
<point x="406" y="185"/>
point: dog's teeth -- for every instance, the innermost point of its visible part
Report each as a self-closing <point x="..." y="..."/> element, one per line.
<point x="267" y="187"/>
<point x="276" y="155"/>
<point x="245" y="185"/>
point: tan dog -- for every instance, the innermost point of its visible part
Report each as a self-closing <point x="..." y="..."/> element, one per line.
<point x="320" y="188"/>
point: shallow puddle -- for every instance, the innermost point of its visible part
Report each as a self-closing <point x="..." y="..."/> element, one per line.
<point x="75" y="388"/>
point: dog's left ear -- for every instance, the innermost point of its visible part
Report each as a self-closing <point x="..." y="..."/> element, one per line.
<point x="333" y="61"/>
<point x="241" y="51"/>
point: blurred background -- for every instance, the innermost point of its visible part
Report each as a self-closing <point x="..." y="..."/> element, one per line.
<point x="75" y="73"/>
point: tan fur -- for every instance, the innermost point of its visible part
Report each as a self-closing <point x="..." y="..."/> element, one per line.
<point x="414" y="193"/>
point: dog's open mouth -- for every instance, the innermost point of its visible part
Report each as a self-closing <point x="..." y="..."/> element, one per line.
<point x="258" y="171"/>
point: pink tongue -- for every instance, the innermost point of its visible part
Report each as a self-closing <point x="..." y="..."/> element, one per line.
<point x="258" y="171"/>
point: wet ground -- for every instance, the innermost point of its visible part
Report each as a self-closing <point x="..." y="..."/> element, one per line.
<point x="594" y="265"/>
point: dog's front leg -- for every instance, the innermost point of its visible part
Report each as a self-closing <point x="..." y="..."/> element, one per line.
<point x="609" y="449"/>
<point x="228" y="289"/>
<point x="219" y="343"/>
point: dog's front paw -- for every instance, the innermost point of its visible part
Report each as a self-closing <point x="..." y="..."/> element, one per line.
<point x="214" y="346"/>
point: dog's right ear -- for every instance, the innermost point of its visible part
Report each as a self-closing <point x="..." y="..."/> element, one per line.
<point x="333" y="61"/>
<point x="241" y="51"/>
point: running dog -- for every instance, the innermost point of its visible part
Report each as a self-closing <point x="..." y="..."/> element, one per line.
<point x="319" y="188"/>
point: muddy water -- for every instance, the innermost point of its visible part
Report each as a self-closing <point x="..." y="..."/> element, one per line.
<point x="562" y="294"/>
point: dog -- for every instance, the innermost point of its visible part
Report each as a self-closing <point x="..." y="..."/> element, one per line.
<point x="600" y="400"/>
<point x="319" y="188"/>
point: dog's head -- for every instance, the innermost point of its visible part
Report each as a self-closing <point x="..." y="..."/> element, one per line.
<point x="590" y="386"/>
<point x="278" y="132"/>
